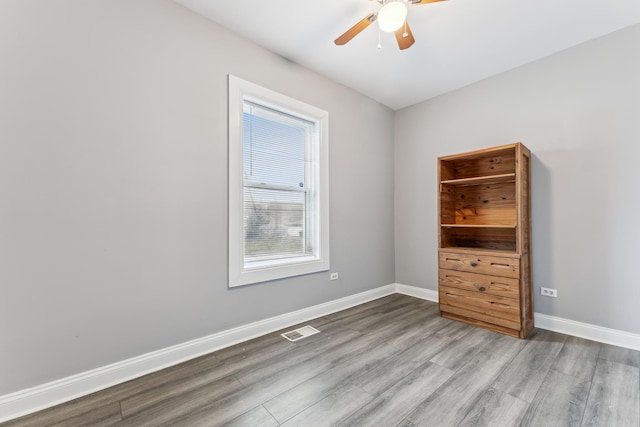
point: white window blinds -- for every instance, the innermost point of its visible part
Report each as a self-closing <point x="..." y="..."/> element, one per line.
<point x="276" y="187"/>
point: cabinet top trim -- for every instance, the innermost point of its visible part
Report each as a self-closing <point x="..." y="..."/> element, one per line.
<point x="488" y="151"/>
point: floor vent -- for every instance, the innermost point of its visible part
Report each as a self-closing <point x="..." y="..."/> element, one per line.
<point x="298" y="334"/>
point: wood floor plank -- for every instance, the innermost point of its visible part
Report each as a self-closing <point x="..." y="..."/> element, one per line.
<point x="524" y="375"/>
<point x="578" y="358"/>
<point x="159" y="378"/>
<point x="218" y="412"/>
<point x="451" y="402"/>
<point x="339" y="404"/>
<point x="384" y="375"/>
<point x="456" y="330"/>
<point x="461" y="351"/>
<point x="448" y="327"/>
<point x="296" y="400"/>
<point x="178" y="387"/>
<point x="560" y="401"/>
<point x="496" y="409"/>
<point x="274" y="350"/>
<point x="614" y="398"/>
<point x="254" y="345"/>
<point x="367" y="306"/>
<point x="102" y="416"/>
<point x="87" y="407"/>
<point x="257" y="417"/>
<point x="175" y="407"/>
<point x="372" y="306"/>
<point x="398" y="304"/>
<point x="406" y="319"/>
<point x="621" y="355"/>
<point x="369" y="320"/>
<point x="399" y="334"/>
<point x="397" y="402"/>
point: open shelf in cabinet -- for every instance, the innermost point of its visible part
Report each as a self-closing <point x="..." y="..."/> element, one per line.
<point x="484" y="163"/>
<point x="490" y="204"/>
<point x="501" y="237"/>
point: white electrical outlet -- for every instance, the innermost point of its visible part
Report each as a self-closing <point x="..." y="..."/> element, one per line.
<point x="334" y="276"/>
<point x="548" y="292"/>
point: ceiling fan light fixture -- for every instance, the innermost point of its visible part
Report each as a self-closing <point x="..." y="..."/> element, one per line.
<point x="391" y="16"/>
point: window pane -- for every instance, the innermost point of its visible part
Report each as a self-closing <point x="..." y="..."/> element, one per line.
<point x="273" y="147"/>
<point x="274" y="223"/>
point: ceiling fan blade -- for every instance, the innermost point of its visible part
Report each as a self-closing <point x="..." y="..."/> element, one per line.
<point x="356" y="29"/>
<point x="404" y="36"/>
<point x="423" y="1"/>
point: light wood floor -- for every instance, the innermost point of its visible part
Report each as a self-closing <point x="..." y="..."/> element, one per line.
<point x="389" y="362"/>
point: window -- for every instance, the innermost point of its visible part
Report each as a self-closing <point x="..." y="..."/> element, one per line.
<point x="278" y="186"/>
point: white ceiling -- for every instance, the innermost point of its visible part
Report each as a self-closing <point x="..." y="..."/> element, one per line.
<point x="458" y="42"/>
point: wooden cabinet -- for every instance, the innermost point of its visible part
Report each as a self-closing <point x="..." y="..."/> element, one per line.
<point x="484" y="239"/>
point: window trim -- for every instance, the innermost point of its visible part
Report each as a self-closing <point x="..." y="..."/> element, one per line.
<point x="238" y="274"/>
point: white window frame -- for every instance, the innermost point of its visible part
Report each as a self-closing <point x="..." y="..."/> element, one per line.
<point x="245" y="273"/>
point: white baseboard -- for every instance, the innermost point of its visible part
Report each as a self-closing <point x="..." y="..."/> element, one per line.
<point x="24" y="402"/>
<point x="588" y="331"/>
<point x="40" y="397"/>
<point x="413" y="291"/>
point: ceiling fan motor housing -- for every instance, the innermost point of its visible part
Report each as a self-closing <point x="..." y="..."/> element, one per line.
<point x="392" y="15"/>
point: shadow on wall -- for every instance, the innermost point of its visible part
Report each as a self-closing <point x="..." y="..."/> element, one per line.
<point x="541" y="236"/>
<point x="571" y="234"/>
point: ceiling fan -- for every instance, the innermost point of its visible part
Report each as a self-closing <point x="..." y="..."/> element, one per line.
<point x="392" y="17"/>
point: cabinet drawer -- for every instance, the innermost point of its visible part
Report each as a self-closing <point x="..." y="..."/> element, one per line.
<point x="483" y="264"/>
<point x="489" y="306"/>
<point x="472" y="317"/>
<point x="493" y="285"/>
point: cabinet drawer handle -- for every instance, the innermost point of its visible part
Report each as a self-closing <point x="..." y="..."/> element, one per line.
<point x="474" y="264"/>
<point x="497" y="264"/>
<point x="500" y="304"/>
<point x="482" y="289"/>
<point x="501" y="284"/>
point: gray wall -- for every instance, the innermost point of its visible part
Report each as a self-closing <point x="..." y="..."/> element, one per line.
<point x="579" y="113"/>
<point x="113" y="213"/>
